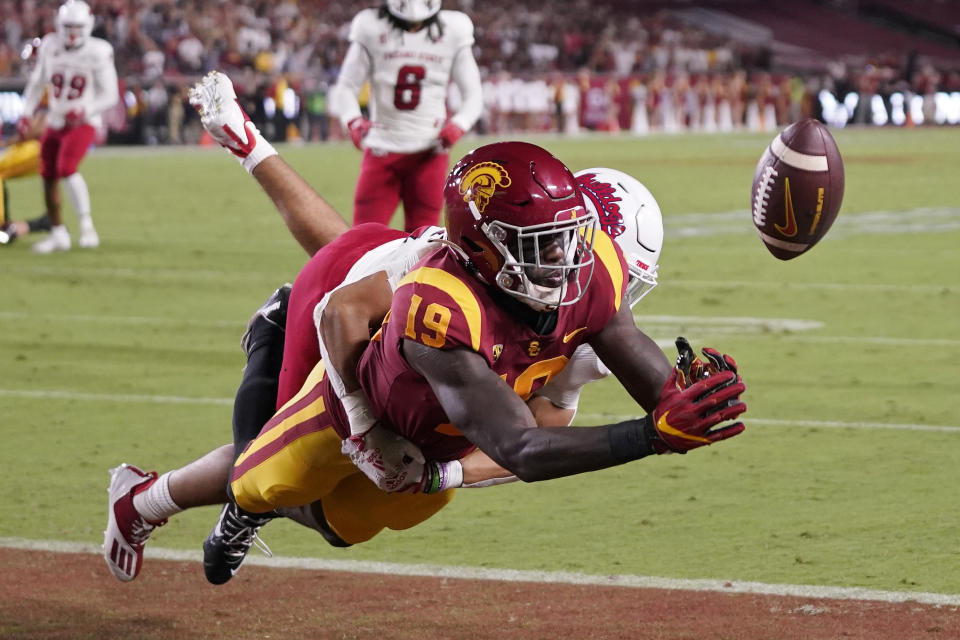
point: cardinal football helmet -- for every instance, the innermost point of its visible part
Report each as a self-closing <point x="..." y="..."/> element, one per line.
<point x="516" y="218"/>
<point x="74" y="23"/>
<point x="413" y="10"/>
<point x="630" y="215"/>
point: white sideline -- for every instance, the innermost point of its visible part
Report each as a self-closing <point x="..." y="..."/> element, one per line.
<point x="515" y="575"/>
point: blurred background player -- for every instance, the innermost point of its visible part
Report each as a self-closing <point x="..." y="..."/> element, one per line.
<point x="77" y="72"/>
<point x="409" y="51"/>
<point x="20" y="158"/>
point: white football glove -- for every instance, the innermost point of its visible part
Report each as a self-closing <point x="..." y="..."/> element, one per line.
<point x="391" y="461"/>
<point x="225" y="120"/>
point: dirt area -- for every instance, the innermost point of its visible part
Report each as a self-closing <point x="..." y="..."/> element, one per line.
<point x="73" y="596"/>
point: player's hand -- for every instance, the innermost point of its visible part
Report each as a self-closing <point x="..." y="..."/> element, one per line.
<point x="449" y="135"/>
<point x="692" y="369"/>
<point x="358" y="128"/>
<point x="687" y="418"/>
<point x="24" y="128"/>
<point x="391" y="461"/>
<point x="225" y="120"/>
<point x="74" y="118"/>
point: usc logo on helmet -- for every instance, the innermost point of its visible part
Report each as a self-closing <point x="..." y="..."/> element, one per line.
<point x="481" y="181"/>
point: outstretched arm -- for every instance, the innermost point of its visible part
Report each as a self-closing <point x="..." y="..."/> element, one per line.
<point x="488" y="412"/>
<point x="493" y="417"/>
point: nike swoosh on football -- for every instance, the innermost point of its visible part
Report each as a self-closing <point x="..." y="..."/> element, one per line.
<point x="790" y="228"/>
<point x="567" y="337"/>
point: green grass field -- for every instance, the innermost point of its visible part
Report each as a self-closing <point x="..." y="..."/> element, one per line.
<point x="131" y="354"/>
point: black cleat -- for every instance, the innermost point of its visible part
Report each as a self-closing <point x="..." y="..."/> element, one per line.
<point x="269" y="318"/>
<point x="227" y="545"/>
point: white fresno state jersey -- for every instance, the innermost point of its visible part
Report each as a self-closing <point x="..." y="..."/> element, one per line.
<point x="409" y="74"/>
<point x="83" y="80"/>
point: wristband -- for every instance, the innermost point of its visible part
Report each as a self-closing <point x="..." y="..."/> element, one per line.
<point x="440" y="476"/>
<point x="359" y="413"/>
<point x="260" y="152"/>
<point x="631" y="440"/>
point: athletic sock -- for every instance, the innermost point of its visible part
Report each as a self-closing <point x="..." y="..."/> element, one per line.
<point x="155" y="504"/>
<point x="79" y="195"/>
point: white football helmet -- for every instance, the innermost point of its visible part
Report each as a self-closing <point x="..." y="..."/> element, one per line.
<point x="413" y="10"/>
<point x="74" y="23"/>
<point x="630" y="215"/>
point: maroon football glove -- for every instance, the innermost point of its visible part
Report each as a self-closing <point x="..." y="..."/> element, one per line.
<point x="685" y="418"/>
<point x="358" y="128"/>
<point x="449" y="135"/>
<point x="692" y="369"/>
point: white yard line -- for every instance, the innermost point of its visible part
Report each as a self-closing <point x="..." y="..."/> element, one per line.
<point x="34" y="394"/>
<point x="514" y="575"/>
<point x="51" y="394"/>
<point x="121" y="320"/>
<point x="781" y="328"/>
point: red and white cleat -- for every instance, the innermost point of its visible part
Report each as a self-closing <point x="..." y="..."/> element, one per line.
<point x="127" y="531"/>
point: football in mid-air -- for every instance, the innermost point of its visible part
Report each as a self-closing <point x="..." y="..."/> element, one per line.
<point x="797" y="189"/>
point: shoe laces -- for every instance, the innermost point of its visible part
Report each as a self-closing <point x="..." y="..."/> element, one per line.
<point x="240" y="533"/>
<point x="140" y="530"/>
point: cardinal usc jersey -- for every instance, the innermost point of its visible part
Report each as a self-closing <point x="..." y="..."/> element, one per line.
<point x="409" y="76"/>
<point x="440" y="305"/>
<point x="82" y="79"/>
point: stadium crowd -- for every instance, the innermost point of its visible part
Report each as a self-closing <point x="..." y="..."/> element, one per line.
<point x="548" y="65"/>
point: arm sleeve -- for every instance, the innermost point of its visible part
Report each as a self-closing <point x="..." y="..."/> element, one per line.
<point x="584" y="367"/>
<point x="466" y="75"/>
<point x="105" y="79"/>
<point x="353" y="73"/>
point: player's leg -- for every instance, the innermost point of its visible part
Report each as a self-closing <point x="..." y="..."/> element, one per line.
<point x="378" y="189"/>
<point x="264" y="343"/>
<point x="76" y="142"/>
<point x="422" y="191"/>
<point x="295" y="460"/>
<point x="59" y="238"/>
<point x="140" y="501"/>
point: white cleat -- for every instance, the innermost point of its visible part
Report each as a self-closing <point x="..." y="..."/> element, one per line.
<point x="58" y="240"/>
<point x="88" y="236"/>
<point x="127" y="531"/>
<point x="216" y="101"/>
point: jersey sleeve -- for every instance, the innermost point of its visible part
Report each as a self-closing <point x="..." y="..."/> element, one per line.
<point x="610" y="277"/>
<point x="437" y="309"/>
<point x="363" y="28"/>
<point x="105" y="78"/>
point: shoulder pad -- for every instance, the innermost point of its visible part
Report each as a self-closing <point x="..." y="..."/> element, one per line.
<point x="439" y="310"/>
<point x="609" y="259"/>
<point x="365" y="26"/>
<point x="102" y="48"/>
<point x="458" y="27"/>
